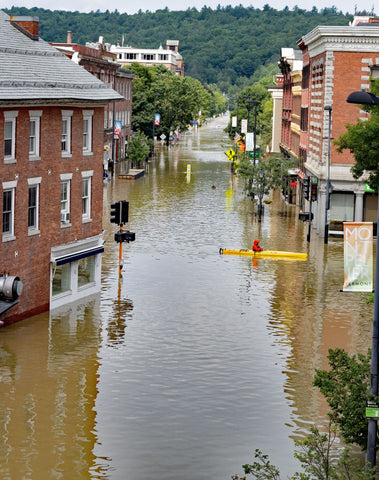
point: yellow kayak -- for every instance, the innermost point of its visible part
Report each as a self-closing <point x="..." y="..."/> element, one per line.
<point x="264" y="253"/>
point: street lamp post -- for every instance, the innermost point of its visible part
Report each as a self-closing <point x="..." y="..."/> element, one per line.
<point x="367" y="98"/>
<point x="261" y="185"/>
<point x="249" y="102"/>
<point x="328" y="108"/>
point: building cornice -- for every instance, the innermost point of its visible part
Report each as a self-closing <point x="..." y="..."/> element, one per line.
<point x="327" y="38"/>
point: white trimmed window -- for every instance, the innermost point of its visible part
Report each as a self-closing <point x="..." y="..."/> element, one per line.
<point x="65" y="199"/>
<point x="61" y="279"/>
<point x="9" y="192"/>
<point x="87" y="131"/>
<point x="86" y="195"/>
<point x="34" y="133"/>
<point x="33" y="205"/>
<point x="10" y="136"/>
<point x="66" y="132"/>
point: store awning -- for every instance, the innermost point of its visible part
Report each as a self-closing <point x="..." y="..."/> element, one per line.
<point x="79" y="255"/>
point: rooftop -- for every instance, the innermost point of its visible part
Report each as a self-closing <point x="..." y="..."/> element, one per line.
<point x="33" y="71"/>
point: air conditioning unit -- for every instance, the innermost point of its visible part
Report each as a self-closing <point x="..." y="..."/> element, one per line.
<point x="65" y="217"/>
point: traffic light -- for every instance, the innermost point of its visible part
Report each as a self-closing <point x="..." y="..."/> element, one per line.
<point x="306" y="188"/>
<point x="116" y="213"/>
<point x="124" y="211"/>
<point x="314" y="192"/>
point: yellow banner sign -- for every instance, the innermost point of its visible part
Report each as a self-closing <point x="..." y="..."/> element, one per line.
<point x="358" y="257"/>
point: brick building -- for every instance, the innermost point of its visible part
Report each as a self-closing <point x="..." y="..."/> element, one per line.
<point x="98" y="60"/>
<point x="51" y="128"/>
<point x="290" y="65"/>
<point x="336" y="62"/>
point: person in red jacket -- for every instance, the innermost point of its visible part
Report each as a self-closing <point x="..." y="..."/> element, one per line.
<point x="256" y="246"/>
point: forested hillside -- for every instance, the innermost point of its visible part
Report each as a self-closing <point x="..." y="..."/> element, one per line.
<point x="227" y="46"/>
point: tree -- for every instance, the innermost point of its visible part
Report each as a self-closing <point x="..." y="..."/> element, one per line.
<point x="362" y="139"/>
<point x="346" y="388"/>
<point x="260" y="95"/>
<point x="178" y="100"/>
<point x="274" y="169"/>
<point x="320" y="459"/>
<point x="138" y="149"/>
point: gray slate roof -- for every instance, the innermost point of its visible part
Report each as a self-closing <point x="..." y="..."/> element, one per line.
<point x="33" y="70"/>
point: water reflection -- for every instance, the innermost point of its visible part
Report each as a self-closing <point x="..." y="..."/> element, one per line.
<point x="48" y="389"/>
<point x="192" y="359"/>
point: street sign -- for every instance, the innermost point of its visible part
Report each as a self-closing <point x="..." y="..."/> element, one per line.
<point x="163" y="136"/>
<point x="372" y="412"/>
<point x="230" y="154"/>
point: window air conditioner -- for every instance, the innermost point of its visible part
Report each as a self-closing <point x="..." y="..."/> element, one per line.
<point x="65" y="217"/>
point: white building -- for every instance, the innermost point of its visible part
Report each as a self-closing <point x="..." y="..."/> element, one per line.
<point x="170" y="58"/>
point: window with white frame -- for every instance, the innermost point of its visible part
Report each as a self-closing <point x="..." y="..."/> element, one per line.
<point x="10" y="136"/>
<point x="9" y="190"/>
<point x="34" y="133"/>
<point x="86" y="271"/>
<point x="66" y="132"/>
<point x="33" y="205"/>
<point x="65" y="199"/>
<point x="86" y="195"/>
<point x="61" y="279"/>
<point x="87" y="131"/>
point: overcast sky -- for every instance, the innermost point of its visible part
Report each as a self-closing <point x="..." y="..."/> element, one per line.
<point x="130" y="7"/>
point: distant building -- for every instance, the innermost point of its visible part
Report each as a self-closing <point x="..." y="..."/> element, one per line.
<point x="276" y="92"/>
<point x="169" y="58"/>
<point x="51" y="169"/>
<point x="98" y="60"/>
<point x="291" y="65"/>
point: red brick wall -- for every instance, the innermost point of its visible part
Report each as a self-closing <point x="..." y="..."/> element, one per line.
<point x="29" y="256"/>
<point x="347" y="78"/>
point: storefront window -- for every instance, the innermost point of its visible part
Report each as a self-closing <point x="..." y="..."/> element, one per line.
<point x="86" y="271"/>
<point x="61" y="278"/>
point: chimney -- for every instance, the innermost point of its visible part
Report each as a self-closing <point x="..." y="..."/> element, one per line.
<point x="69" y="37"/>
<point x="29" y="26"/>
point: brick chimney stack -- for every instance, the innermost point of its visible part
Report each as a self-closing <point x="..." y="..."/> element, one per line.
<point x="29" y="26"/>
<point x="69" y="36"/>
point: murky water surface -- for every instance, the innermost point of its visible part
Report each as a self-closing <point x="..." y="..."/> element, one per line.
<point x="193" y="359"/>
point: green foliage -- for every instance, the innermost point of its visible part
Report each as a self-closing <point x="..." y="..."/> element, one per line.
<point x="261" y="109"/>
<point x="178" y="100"/>
<point x="274" y="169"/>
<point x="138" y="149"/>
<point x="224" y="46"/>
<point x="346" y="388"/>
<point x="362" y="139"/>
<point x="320" y="460"/>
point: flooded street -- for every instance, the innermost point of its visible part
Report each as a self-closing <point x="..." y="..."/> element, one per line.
<point x="194" y="359"/>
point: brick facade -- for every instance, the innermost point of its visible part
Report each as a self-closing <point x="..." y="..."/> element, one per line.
<point x="51" y="169"/>
<point x="337" y="61"/>
<point x="29" y="255"/>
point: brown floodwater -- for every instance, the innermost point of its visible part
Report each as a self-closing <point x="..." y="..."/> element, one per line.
<point x="192" y="360"/>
